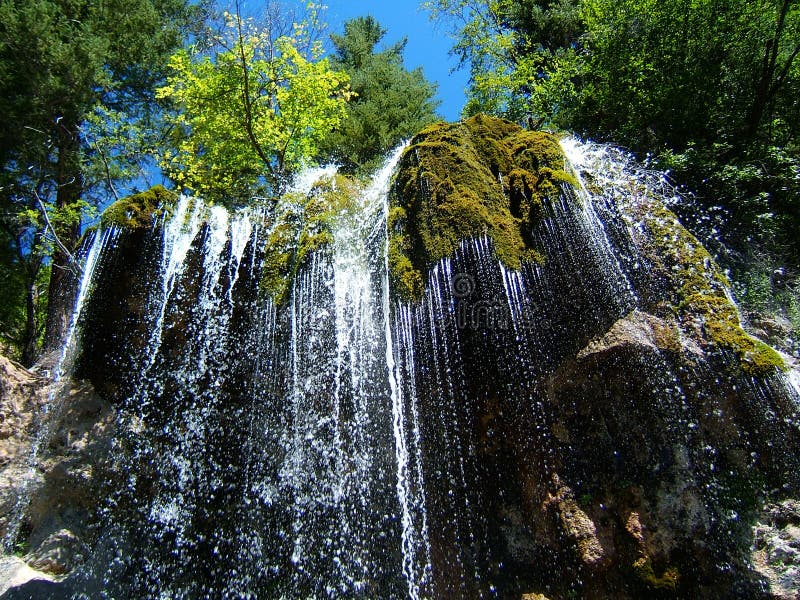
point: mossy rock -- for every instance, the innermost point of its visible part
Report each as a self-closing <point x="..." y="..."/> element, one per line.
<point x="303" y="225"/>
<point x="702" y="294"/>
<point x="643" y="568"/>
<point x="482" y="176"/>
<point x="139" y="210"/>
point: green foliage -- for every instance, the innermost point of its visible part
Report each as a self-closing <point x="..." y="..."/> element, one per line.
<point x="482" y="176"/>
<point x="250" y="112"/>
<point x="667" y="73"/>
<point x="76" y="92"/>
<point x="61" y="60"/>
<point x="758" y="185"/>
<point x="390" y="103"/>
<point x="523" y="56"/>
<point x="769" y="294"/>
<point x="649" y="74"/>
<point x="12" y="299"/>
<point x="22" y="280"/>
<point x="708" y="88"/>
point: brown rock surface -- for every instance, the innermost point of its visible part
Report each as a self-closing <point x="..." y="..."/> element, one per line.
<point x="776" y="548"/>
<point x="21" y="400"/>
<point x="56" y="489"/>
<point x="14" y="572"/>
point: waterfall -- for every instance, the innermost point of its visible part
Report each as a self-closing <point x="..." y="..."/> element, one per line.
<point x="337" y="441"/>
<point x="314" y="504"/>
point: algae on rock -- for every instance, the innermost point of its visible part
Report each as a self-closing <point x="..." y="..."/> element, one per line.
<point x="481" y="176"/>
<point x="139" y="210"/>
<point x="702" y="294"/>
<point x="303" y="224"/>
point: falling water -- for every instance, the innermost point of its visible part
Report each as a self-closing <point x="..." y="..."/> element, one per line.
<point x="342" y="443"/>
<point x="314" y="504"/>
<point x="61" y="371"/>
<point x="178" y="234"/>
<point x="405" y="419"/>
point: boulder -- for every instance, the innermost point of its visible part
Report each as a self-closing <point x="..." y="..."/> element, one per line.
<point x="48" y="496"/>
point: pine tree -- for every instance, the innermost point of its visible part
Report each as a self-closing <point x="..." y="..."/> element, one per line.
<point x="69" y="68"/>
<point x="391" y="102"/>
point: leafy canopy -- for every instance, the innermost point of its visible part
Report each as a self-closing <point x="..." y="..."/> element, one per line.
<point x="76" y="94"/>
<point x="646" y="73"/>
<point x="249" y="112"/>
<point x="522" y="55"/>
<point x="708" y="88"/>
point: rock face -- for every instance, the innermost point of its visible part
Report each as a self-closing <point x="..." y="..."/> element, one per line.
<point x="667" y="504"/>
<point x="619" y="431"/>
<point x="48" y="499"/>
<point x="21" y="400"/>
<point x="576" y="408"/>
<point x="15" y="572"/>
<point x="481" y="176"/>
<point x="776" y="548"/>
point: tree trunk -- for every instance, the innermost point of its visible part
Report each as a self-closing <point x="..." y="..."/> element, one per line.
<point x="61" y="293"/>
<point x="31" y="264"/>
<point x="767" y="86"/>
<point x="29" y="343"/>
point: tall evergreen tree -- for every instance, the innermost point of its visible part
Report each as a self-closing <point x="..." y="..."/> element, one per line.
<point x="68" y="70"/>
<point x="392" y="103"/>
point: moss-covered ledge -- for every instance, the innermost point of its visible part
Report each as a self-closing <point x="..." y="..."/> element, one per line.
<point x="481" y="176"/>
<point x="303" y="225"/>
<point x="702" y="297"/>
<point x="139" y="210"/>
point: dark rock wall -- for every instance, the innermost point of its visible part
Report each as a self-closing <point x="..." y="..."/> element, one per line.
<point x="587" y="422"/>
<point x="584" y="414"/>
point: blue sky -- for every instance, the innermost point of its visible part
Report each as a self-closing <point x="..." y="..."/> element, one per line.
<point x="428" y="43"/>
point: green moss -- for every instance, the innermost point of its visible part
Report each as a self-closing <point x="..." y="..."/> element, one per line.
<point x="139" y="210"/>
<point x="278" y="260"/>
<point x="303" y="225"/>
<point x="643" y="568"/>
<point x="702" y="293"/>
<point x="482" y="176"/>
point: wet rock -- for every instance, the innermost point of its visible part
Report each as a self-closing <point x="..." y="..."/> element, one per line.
<point x="644" y="426"/>
<point x="58" y="553"/>
<point x="57" y="489"/>
<point x="21" y="400"/>
<point x="15" y="572"/>
<point x="776" y="548"/>
<point x="578" y="527"/>
<point x="640" y="331"/>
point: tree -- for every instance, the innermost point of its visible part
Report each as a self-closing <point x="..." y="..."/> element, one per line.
<point x="707" y="88"/>
<point x="62" y="62"/>
<point x="778" y="71"/>
<point x="250" y="111"/>
<point x="391" y="103"/>
<point x="710" y="88"/>
<point x="523" y="55"/>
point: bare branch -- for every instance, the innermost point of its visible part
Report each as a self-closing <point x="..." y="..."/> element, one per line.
<point x="107" y="168"/>
<point x="248" y="106"/>
<point x="74" y="266"/>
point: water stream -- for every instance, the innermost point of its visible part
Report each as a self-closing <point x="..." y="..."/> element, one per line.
<point x="343" y="443"/>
